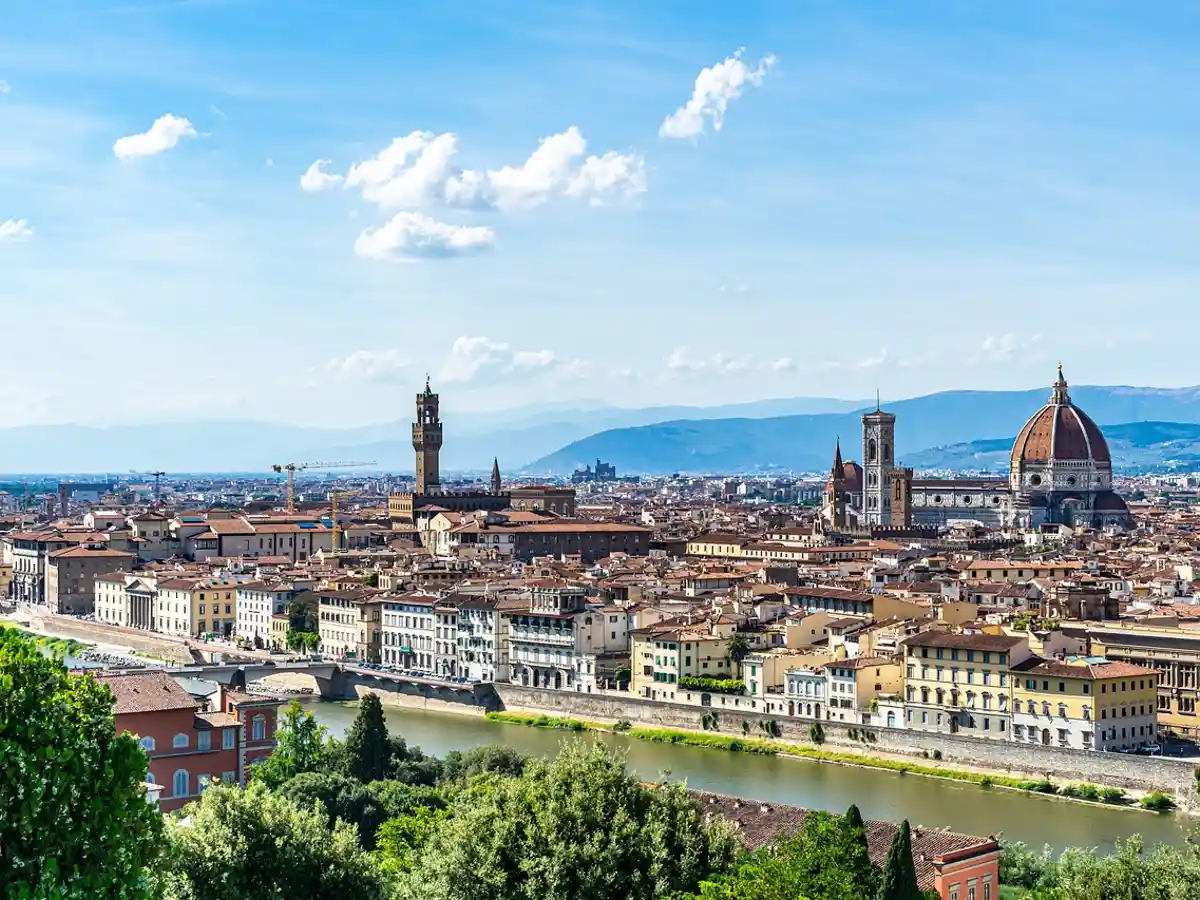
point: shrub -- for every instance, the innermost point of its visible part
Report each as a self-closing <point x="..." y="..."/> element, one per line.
<point x="735" y="745"/>
<point x="985" y="781"/>
<point x="1087" y="791"/>
<point x="708" y="721"/>
<point x="1112" y="795"/>
<point x="853" y="734"/>
<point x="924" y="754"/>
<point x="713" y="685"/>
<point x="771" y="727"/>
<point x="624" y="725"/>
<point x="1157" y="801"/>
<point x="937" y="754"/>
<point x="1041" y="786"/>
<point x="816" y="733"/>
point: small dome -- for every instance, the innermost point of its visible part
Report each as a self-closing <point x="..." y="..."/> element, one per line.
<point x="1060" y="431"/>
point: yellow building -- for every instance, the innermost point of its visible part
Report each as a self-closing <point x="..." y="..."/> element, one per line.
<point x="719" y="546"/>
<point x="1174" y="654"/>
<point x="1086" y="703"/>
<point x="350" y="623"/>
<point x="196" y="607"/>
<point x="6" y="577"/>
<point x="672" y="649"/>
<point x="853" y="684"/>
<point x="960" y="683"/>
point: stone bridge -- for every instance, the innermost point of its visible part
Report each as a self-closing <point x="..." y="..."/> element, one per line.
<point x="347" y="681"/>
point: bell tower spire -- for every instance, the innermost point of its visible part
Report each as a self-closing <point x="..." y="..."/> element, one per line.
<point x="427" y="441"/>
<point x="497" y="484"/>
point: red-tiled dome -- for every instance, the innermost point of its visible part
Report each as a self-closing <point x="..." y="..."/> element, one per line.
<point x="1060" y="431"/>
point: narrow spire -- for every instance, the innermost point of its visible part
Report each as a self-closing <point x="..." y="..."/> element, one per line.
<point x="877" y="409"/>
<point x="838" y="469"/>
<point x="428" y="390"/>
<point x="496" y="483"/>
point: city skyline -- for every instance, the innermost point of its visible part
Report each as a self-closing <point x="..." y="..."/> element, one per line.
<point x="230" y="213"/>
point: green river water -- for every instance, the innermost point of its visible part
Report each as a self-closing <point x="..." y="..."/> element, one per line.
<point x="930" y="802"/>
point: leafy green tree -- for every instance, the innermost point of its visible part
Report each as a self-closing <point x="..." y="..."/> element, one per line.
<point x="739" y="647"/>
<point x="304" y="641"/>
<point x="498" y="759"/>
<point x="574" y="828"/>
<point x="302" y="613"/>
<point x="368" y="751"/>
<point x="401" y="839"/>
<point x="301" y="746"/>
<point x="400" y="799"/>
<point x="412" y="766"/>
<point x="74" y="821"/>
<point x="825" y="860"/>
<point x="899" y="872"/>
<point x="342" y="798"/>
<point x="1023" y="867"/>
<point x="258" y="845"/>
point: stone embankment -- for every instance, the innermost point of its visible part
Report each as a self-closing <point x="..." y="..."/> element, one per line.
<point x="165" y="647"/>
<point x="1142" y="773"/>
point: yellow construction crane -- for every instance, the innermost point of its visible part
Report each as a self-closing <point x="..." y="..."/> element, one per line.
<point x="334" y="497"/>
<point x="293" y="468"/>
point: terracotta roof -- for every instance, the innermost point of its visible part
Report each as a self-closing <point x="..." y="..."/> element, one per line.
<point x="1057" y="668"/>
<point x="84" y="552"/>
<point x="140" y="692"/>
<point x="1001" y="642"/>
<point x="1060" y="431"/>
<point x="759" y="824"/>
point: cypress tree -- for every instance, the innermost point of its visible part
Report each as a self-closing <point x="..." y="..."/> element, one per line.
<point x="857" y="854"/>
<point x="899" y="872"/>
<point x="368" y="752"/>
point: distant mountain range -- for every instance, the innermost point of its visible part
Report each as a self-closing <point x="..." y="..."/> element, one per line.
<point x="1135" y="446"/>
<point x="953" y="429"/>
<point x="516" y="436"/>
<point x="805" y="442"/>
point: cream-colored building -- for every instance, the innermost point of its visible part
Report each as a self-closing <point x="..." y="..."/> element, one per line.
<point x="854" y="685"/>
<point x="960" y="683"/>
<point x="674" y="649"/>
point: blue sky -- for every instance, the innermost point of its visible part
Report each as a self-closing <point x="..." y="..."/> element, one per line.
<point x="915" y="197"/>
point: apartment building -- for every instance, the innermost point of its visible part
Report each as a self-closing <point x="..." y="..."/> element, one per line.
<point x="410" y="627"/>
<point x="1084" y="703"/>
<point x="663" y="653"/>
<point x="29" y="552"/>
<point x="350" y="624"/>
<point x="804" y="689"/>
<point x="71" y="573"/>
<point x="257" y="603"/>
<point x="481" y="630"/>
<point x="194" y="607"/>
<point x="556" y="640"/>
<point x="960" y="683"/>
<point x="191" y="745"/>
<point x="445" y="638"/>
<point x="1171" y="652"/>
<point x="853" y="685"/>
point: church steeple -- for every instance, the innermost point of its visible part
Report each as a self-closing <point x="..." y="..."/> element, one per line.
<point x="496" y="483"/>
<point x="839" y="470"/>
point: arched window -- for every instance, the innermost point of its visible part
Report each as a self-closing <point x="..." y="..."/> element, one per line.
<point x="872" y="451"/>
<point x="1032" y="709"/>
<point x="259" y="728"/>
<point x="180" y="741"/>
<point x="886" y="450"/>
<point x="181" y="783"/>
<point x="147" y="744"/>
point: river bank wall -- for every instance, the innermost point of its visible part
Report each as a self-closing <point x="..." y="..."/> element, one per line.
<point x="163" y="646"/>
<point x="1175" y="777"/>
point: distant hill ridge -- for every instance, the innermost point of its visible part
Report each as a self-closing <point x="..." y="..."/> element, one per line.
<point x="805" y="442"/>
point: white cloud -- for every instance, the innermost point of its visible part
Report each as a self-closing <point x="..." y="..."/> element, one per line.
<point x="1006" y="347"/>
<point x="785" y="364"/>
<point x="715" y="87"/>
<point x="315" y="179"/>
<point x="411" y="235"/>
<point x="165" y="133"/>
<point x="368" y="367"/>
<point x="15" y="230"/>
<point x="481" y="359"/>
<point x="418" y="170"/>
<point x="681" y="361"/>
<point x="4" y="86"/>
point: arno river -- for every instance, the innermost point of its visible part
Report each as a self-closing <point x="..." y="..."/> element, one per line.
<point x="930" y="802"/>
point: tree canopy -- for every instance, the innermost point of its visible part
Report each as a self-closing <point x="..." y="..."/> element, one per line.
<point x="368" y="753"/>
<point x="342" y="798"/>
<point x="574" y="828"/>
<point x="255" y="844"/>
<point x="300" y="746"/>
<point x="74" y="821"/>
<point x="899" y="872"/>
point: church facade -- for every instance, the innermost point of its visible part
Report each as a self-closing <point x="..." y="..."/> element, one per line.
<point x="1060" y="472"/>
